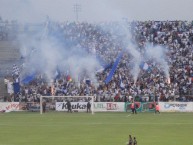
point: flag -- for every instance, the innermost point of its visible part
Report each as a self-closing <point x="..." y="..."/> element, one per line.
<point x="109" y="77"/>
<point x="28" y="78"/>
<point x="15" y="70"/>
<point x="144" y="66"/>
<point x="88" y="82"/>
<point x="16" y="88"/>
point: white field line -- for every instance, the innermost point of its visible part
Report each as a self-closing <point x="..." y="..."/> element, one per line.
<point x="6" y="144"/>
<point x="93" y="123"/>
<point x="95" y="115"/>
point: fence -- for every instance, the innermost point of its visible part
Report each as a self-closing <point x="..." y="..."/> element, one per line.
<point x="101" y="106"/>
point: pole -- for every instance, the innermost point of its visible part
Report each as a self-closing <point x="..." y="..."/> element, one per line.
<point x="40" y="104"/>
<point x="92" y="105"/>
<point x="77" y="9"/>
<point x="154" y="92"/>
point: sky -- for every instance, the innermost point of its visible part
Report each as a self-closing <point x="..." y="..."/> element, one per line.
<point x="96" y="10"/>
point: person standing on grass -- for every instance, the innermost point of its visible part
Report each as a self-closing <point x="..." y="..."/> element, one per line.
<point x="69" y="107"/>
<point x="44" y="106"/>
<point x="133" y="108"/>
<point x="130" y="140"/>
<point x="88" y="107"/>
<point x="157" y="108"/>
<point x="134" y="141"/>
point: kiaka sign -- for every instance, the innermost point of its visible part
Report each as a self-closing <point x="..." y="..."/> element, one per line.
<point x="98" y="106"/>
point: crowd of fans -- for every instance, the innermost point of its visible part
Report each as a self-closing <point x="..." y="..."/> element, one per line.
<point x="106" y="41"/>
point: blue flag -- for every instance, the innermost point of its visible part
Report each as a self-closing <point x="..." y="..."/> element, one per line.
<point x="16" y="87"/>
<point x="29" y="78"/>
<point x="109" y="77"/>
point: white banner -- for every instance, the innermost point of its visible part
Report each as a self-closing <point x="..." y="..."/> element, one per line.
<point x="80" y="106"/>
<point x="98" y="106"/>
<point x="105" y="106"/>
<point x="176" y="106"/>
<point x="9" y="106"/>
<point x="109" y="106"/>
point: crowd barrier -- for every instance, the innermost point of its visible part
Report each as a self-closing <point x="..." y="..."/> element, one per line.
<point x="99" y="106"/>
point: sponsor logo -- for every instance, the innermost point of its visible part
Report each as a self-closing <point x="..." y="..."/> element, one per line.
<point x="99" y="105"/>
<point x="112" y="106"/>
<point x="166" y="106"/>
<point x="180" y="106"/>
<point x="137" y="105"/>
<point x="12" y="106"/>
<point x="73" y="105"/>
<point x="9" y="106"/>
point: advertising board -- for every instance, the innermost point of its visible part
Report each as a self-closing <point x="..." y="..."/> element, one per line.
<point x="9" y="106"/>
<point x="176" y="106"/>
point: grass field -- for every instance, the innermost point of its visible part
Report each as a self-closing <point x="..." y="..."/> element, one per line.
<point x="29" y="128"/>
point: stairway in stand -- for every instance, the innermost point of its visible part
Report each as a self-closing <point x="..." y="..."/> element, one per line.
<point x="9" y="55"/>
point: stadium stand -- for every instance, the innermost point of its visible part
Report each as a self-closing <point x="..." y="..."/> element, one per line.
<point x="9" y="50"/>
<point x="177" y="36"/>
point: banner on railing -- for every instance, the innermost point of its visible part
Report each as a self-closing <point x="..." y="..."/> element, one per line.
<point x="176" y="106"/>
<point x="109" y="106"/>
<point x="80" y="106"/>
<point x="9" y="106"/>
<point x="100" y="106"/>
<point x="141" y="106"/>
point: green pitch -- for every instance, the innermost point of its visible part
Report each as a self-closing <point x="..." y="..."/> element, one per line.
<point x="29" y="128"/>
